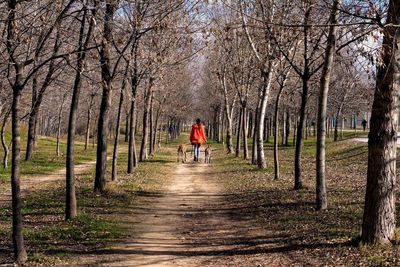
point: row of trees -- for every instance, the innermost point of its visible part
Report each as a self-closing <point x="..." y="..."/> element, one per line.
<point x="309" y="63"/>
<point x="265" y="63"/>
<point x="122" y="59"/>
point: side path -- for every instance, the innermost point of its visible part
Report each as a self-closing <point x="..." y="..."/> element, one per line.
<point x="35" y="182"/>
<point x="192" y="223"/>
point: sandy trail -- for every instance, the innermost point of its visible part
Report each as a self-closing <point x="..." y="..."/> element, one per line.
<point x="192" y="224"/>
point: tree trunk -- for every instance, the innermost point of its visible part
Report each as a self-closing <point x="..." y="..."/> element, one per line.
<point x="287" y="132"/>
<point x="298" y="184"/>
<point x="18" y="240"/>
<point x="132" y="158"/>
<point x="254" y="148"/>
<point x="321" y="198"/>
<point x="20" y="255"/>
<point x="151" y="126"/>
<point x="267" y="78"/>
<point x="145" y="130"/>
<point x="283" y="130"/>
<point x="70" y="197"/>
<point x="88" y="121"/>
<point x="276" y="128"/>
<point x="294" y="129"/>
<point x="117" y="127"/>
<point x="244" y="133"/>
<point x="59" y="125"/>
<point x="3" y="139"/>
<point x="127" y="116"/>
<point x="238" y="132"/>
<point x="379" y="221"/>
<point x="102" y="129"/>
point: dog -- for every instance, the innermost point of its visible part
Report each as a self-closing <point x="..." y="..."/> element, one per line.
<point x="182" y="153"/>
<point x="207" y="152"/>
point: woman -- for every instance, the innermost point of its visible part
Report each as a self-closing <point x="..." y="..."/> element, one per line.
<point x="197" y="138"/>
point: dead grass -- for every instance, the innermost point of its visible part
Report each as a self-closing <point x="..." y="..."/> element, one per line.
<point x="312" y="238"/>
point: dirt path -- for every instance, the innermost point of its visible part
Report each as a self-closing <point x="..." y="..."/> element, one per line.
<point x="191" y="223"/>
<point x="35" y="182"/>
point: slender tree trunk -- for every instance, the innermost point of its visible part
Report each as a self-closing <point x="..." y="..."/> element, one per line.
<point x="70" y="197"/>
<point x="151" y="125"/>
<point x="342" y="128"/>
<point x="31" y="131"/>
<point x="294" y="129"/>
<point x="276" y="125"/>
<point x="244" y="135"/>
<point x="117" y="127"/>
<point x="132" y="158"/>
<point x="127" y="116"/>
<point x="145" y="130"/>
<point x="3" y="138"/>
<point x="238" y="132"/>
<point x="59" y="125"/>
<point x="220" y="115"/>
<point x="298" y="184"/>
<point x="321" y="198"/>
<point x="254" y="148"/>
<point x="379" y="221"/>
<point x="267" y="78"/>
<point x="283" y="130"/>
<point x="287" y="132"/>
<point x="89" y="121"/>
<point x="102" y="129"/>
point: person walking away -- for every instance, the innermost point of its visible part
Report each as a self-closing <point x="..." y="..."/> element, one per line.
<point x="197" y="138"/>
<point x="364" y="124"/>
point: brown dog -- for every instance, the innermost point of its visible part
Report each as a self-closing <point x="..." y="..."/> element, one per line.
<point x="207" y="152"/>
<point x="182" y="153"/>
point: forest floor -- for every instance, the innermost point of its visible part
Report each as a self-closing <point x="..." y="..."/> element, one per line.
<point x="228" y="213"/>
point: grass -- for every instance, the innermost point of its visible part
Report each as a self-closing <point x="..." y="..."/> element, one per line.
<point x="314" y="237"/>
<point x="49" y="238"/>
<point x="45" y="159"/>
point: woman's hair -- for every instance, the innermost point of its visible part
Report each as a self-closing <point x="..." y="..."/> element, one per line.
<point x="198" y="120"/>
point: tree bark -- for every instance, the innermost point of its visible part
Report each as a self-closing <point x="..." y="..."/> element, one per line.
<point x="89" y="121"/>
<point x="298" y="184"/>
<point x="117" y="127"/>
<point x="102" y="129"/>
<point x="151" y="125"/>
<point x="254" y="148"/>
<point x="267" y="78"/>
<point x="59" y="125"/>
<point x="20" y="255"/>
<point x="238" y="132"/>
<point x="321" y="198"/>
<point x="127" y="116"/>
<point x="276" y="124"/>
<point x="70" y="197"/>
<point x="3" y="138"/>
<point x="145" y="128"/>
<point x="287" y="132"/>
<point x="379" y="220"/>
<point x="245" y="129"/>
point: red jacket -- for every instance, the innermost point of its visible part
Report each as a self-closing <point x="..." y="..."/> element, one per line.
<point x="197" y="134"/>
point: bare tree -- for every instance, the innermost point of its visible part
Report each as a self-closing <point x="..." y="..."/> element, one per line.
<point x="379" y="220"/>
